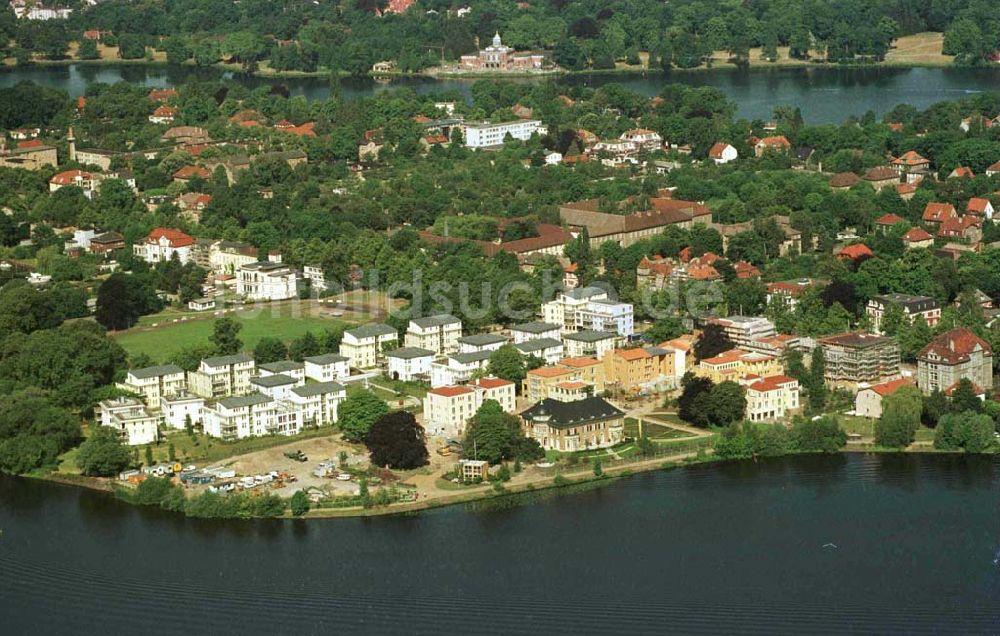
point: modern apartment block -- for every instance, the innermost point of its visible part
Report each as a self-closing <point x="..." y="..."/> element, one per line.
<point x="364" y="346"/>
<point x="743" y="330"/>
<point x="589" y="308"/>
<point x="153" y="383"/>
<point x="130" y="419"/>
<point x="852" y="358"/>
<point x="222" y="376"/>
<point x="438" y="333"/>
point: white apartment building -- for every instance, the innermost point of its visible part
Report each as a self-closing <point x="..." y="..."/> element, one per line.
<point x="317" y="402"/>
<point x="487" y="135"/>
<point x="290" y="368"/>
<point x="772" y="398"/>
<point x="438" y="333"/>
<point x="458" y="368"/>
<point x="163" y="244"/>
<point x="176" y="409"/>
<point x="152" y="383"/>
<point x="129" y="417"/>
<point x="480" y="342"/>
<point x="590" y="343"/>
<point x="241" y="416"/>
<point x="226" y="257"/>
<point x="409" y="364"/>
<point x="222" y="376"/>
<point x="327" y="367"/>
<point x="276" y="386"/>
<point x="589" y="308"/>
<point x="264" y="280"/>
<point x="742" y="330"/>
<point x="535" y="331"/>
<point x="548" y="349"/>
<point x="316" y="277"/>
<point x="643" y="138"/>
<point x="447" y="409"/>
<point x="364" y="345"/>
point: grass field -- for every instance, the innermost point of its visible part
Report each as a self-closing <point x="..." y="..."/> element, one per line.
<point x="167" y="338"/>
<point x="920" y="49"/>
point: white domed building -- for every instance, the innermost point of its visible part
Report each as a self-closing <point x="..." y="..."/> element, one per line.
<point x="500" y="57"/>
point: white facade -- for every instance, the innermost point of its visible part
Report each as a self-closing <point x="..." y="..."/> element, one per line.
<point x="291" y="368"/>
<point x="447" y="409"/>
<point x="327" y="367"/>
<point x="480" y="342"/>
<point x="239" y="417"/>
<point x="364" y="345"/>
<point x="176" y="408"/>
<point x="276" y="386"/>
<point x="485" y="135"/>
<point x="317" y="402"/>
<point x="536" y="331"/>
<point x="772" y="398"/>
<point x="152" y="383"/>
<point x="266" y="281"/>
<point x="163" y="244"/>
<point x="316" y="277"/>
<point x="439" y="333"/>
<point x="589" y="308"/>
<point x="222" y="376"/>
<point x="590" y="343"/>
<point x="548" y="349"/>
<point x="458" y="368"/>
<point x="129" y="417"/>
<point x="409" y="363"/>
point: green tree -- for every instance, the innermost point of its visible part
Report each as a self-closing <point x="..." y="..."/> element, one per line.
<point x="396" y="441"/>
<point x="900" y="418"/>
<point x="507" y="363"/>
<point x="359" y="410"/>
<point x="269" y="349"/>
<point x="822" y="435"/>
<point x="225" y="336"/>
<point x="964" y="397"/>
<point x="102" y="454"/>
<point x="299" y="503"/>
<point x="88" y="50"/>
<point x="728" y="403"/>
<point x="304" y="346"/>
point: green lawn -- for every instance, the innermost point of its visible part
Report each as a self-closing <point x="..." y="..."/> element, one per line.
<point x="167" y="338"/>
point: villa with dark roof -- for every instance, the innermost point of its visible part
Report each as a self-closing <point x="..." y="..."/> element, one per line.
<point x="592" y="422"/>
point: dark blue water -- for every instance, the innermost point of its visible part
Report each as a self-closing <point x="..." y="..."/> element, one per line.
<point x="825" y="95"/>
<point x="710" y="549"/>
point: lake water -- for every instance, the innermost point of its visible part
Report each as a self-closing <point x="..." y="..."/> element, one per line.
<point x="824" y="94"/>
<point x="708" y="549"/>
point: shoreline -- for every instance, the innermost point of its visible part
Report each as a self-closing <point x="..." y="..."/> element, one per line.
<point x="485" y="492"/>
<point x="268" y="74"/>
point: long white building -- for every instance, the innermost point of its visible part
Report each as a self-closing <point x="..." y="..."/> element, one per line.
<point x="264" y="280"/>
<point x="487" y="135"/>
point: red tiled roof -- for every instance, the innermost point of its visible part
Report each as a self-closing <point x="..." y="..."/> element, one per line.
<point x="579" y="362"/>
<point x="771" y="383"/>
<point x="856" y="251"/>
<point x="69" y="177"/>
<point x="890" y="387"/>
<point x="936" y="212"/>
<point x="955" y="345"/>
<point x="778" y="141"/>
<point x="976" y="389"/>
<point x="917" y="234"/>
<point x="977" y="205"/>
<point x="906" y="188"/>
<point x="189" y="172"/>
<point x="31" y="143"/>
<point x="961" y="172"/>
<point x="881" y="173"/>
<point x="162" y="94"/>
<point x="492" y="383"/>
<point x="175" y="237"/>
<point x="746" y="270"/>
<point x="844" y="180"/>
<point x="451" y="391"/>
<point x="889" y="219"/>
<point x="165" y="111"/>
<point x="715" y="152"/>
<point x="909" y="158"/>
<point x="956" y="226"/>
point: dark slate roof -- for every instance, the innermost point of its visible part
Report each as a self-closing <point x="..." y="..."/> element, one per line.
<point x="318" y="388"/>
<point x="913" y="304"/>
<point x="409" y="353"/>
<point x="155" y="372"/>
<point x="435" y="321"/>
<point x="279" y="379"/>
<point x="538" y="344"/>
<point x="222" y="361"/>
<point x="584" y="292"/>
<point x="326" y="358"/>
<point x="372" y="330"/>
<point x="472" y="356"/>
<point x="589" y="335"/>
<point x="535" y="327"/>
<point x="281" y="366"/>
<point x="244" y="400"/>
<point x="569" y="414"/>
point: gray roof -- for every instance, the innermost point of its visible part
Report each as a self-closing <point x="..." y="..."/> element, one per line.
<point x="472" y="356"/>
<point x="584" y="292"/>
<point x="372" y="330"/>
<point x="409" y="353"/>
<point x="222" y="361"/>
<point x="568" y="414"/>
<point x="326" y="358"/>
<point x="244" y="400"/>
<point x="435" y="321"/>
<point x="909" y="302"/>
<point x="155" y="372"/>
<point x="589" y="335"/>
<point x="480" y="339"/>
<point x="281" y="366"/>
<point x="539" y="344"/>
<point x="318" y="388"/>
<point x="278" y="379"/>
<point x="535" y="327"/>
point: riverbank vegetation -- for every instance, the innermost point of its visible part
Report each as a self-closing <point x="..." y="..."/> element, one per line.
<point x="352" y="36"/>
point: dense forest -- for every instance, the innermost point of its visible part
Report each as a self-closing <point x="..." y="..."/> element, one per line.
<point x="351" y="35"/>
